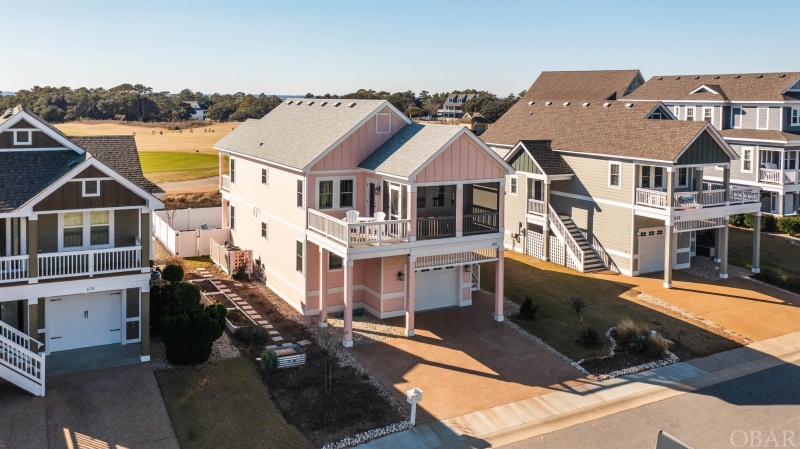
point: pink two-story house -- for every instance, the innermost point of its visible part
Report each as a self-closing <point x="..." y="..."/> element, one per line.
<point x="347" y="204"/>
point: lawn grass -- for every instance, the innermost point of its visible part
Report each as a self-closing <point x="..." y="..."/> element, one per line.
<point x="225" y="405"/>
<point x="551" y="286"/>
<point x="178" y="166"/>
<point x="777" y="253"/>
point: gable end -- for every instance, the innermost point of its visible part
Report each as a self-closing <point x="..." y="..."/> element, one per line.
<point x="704" y="150"/>
<point x="522" y="162"/>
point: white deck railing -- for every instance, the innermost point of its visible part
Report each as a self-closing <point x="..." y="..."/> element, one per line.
<point x="225" y="182"/>
<point x="573" y="248"/>
<point x="13" y="268"/>
<point x="89" y="262"/>
<point x="25" y="368"/>
<point x="358" y="234"/>
<point x="779" y="176"/>
<point x="536" y="207"/>
<point x="652" y="198"/>
<point x="745" y="194"/>
<point x="689" y="200"/>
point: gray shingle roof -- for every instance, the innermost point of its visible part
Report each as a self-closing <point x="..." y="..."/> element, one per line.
<point x="409" y="149"/>
<point x="27" y="173"/>
<point x="744" y="87"/>
<point x="294" y="133"/>
<point x="121" y="155"/>
<point x="548" y="160"/>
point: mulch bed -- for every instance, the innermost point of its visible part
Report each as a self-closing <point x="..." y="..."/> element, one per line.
<point x="325" y="408"/>
<point x="206" y="286"/>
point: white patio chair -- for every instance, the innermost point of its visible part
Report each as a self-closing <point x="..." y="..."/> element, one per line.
<point x="351" y="216"/>
<point x="380" y="216"/>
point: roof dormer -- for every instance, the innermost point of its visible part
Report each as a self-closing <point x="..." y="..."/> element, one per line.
<point x="704" y="89"/>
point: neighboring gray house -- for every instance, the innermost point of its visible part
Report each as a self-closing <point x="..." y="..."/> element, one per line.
<point x="452" y="106"/>
<point x="585" y="85"/>
<point x="758" y="114"/>
<point x="613" y="184"/>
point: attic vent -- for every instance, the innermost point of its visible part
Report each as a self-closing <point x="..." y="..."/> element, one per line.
<point x="310" y="103"/>
<point x="299" y="103"/>
<point x="606" y="105"/>
<point x="566" y="103"/>
<point x="660" y="78"/>
<point x="351" y="105"/>
<point x="782" y="75"/>
<point x="337" y="104"/>
<point x="677" y="77"/>
<point x="530" y="112"/>
<point x="738" y="76"/>
<point x="290" y="102"/>
<point x="323" y="103"/>
<point x="716" y="77"/>
<point x="760" y="76"/>
<point x="586" y="105"/>
<point x="697" y="77"/>
<point x="548" y="103"/>
<point x="530" y="103"/>
<point x="628" y="105"/>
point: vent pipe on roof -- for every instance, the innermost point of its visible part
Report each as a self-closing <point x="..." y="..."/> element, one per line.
<point x="628" y="105"/>
<point x="783" y="75"/>
<point x="606" y="105"/>
<point x="760" y="76"/>
<point x="738" y="76"/>
<point x="323" y="103"/>
<point x="310" y="103"/>
<point x="530" y="103"/>
<point x="660" y="78"/>
<point x="548" y="103"/>
<point x="697" y="77"/>
<point x="586" y="105"/>
<point x="716" y="77"/>
<point x="290" y="102"/>
<point x="677" y="77"/>
<point x="299" y="103"/>
<point x="566" y="103"/>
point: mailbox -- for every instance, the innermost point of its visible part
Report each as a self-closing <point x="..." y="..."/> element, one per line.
<point x="414" y="395"/>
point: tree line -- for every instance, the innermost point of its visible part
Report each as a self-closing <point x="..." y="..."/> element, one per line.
<point x="136" y="102"/>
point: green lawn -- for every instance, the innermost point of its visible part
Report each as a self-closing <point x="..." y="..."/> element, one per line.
<point x="777" y="253"/>
<point x="551" y="286"/>
<point x="178" y="166"/>
<point x="225" y="405"/>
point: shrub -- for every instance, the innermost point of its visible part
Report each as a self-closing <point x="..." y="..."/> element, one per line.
<point x="656" y="345"/>
<point x="253" y="334"/>
<point x="172" y="274"/>
<point x="241" y="273"/>
<point x="768" y="222"/>
<point x="189" y="335"/>
<point x="589" y="338"/>
<point x="528" y="309"/>
<point x="159" y="297"/>
<point x="789" y="225"/>
<point x="638" y="338"/>
<point x="269" y="360"/>
<point x="627" y="330"/>
<point x="577" y="304"/>
<point x="736" y="220"/>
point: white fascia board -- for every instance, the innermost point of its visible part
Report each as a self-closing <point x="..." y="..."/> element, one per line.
<point x="43" y="128"/>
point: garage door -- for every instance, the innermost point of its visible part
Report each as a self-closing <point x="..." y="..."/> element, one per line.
<point x="436" y="288"/>
<point x="81" y="321"/>
<point x="651" y="250"/>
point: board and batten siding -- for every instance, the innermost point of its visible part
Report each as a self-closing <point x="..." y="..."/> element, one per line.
<point x="40" y="140"/>
<point x="463" y="160"/>
<point x="610" y="225"/>
<point x="126" y="227"/>
<point x="275" y="204"/>
<point x="522" y="162"/>
<point x="47" y="235"/>
<point x="704" y="150"/>
<point x="356" y="147"/>
<point x="70" y="196"/>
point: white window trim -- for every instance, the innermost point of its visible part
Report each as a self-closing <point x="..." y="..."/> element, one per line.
<point x="377" y="120"/>
<point x="87" y="232"/>
<point x="708" y="108"/>
<point x="265" y="230"/>
<point x="302" y="256"/>
<point x="232" y="169"/>
<point x="16" y="137"/>
<point x="794" y="116"/>
<point x="302" y="193"/>
<point x="678" y="111"/>
<point x="678" y="177"/>
<point x="513" y="185"/>
<point x="265" y="176"/>
<point x="232" y="216"/>
<point x="336" y="191"/>
<point x="733" y="117"/>
<point x="694" y="115"/>
<point x="619" y="175"/>
<point x="752" y="157"/>
<point x="83" y="188"/>
<point x="758" y="117"/>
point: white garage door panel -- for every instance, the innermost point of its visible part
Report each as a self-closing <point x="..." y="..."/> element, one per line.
<point x="436" y="288"/>
<point x="82" y="321"/>
<point x="651" y="250"/>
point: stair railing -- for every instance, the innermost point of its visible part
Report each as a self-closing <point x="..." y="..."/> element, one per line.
<point x="573" y="248"/>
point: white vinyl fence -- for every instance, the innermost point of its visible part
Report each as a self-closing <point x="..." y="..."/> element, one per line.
<point x="182" y="232"/>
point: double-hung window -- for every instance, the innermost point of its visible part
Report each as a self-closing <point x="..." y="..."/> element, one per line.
<point x="299" y="259"/>
<point x="336" y="193"/>
<point x="795" y="117"/>
<point x="708" y="114"/>
<point x="683" y="177"/>
<point x="264" y="230"/>
<point x="513" y="185"/>
<point x="300" y="193"/>
<point x="747" y="159"/>
<point x="73" y="230"/>
<point x="690" y="113"/>
<point x="422" y="194"/>
<point x="233" y="217"/>
<point x="615" y="175"/>
<point x="736" y="117"/>
<point x="86" y="229"/>
<point x="265" y="176"/>
<point x="232" y="171"/>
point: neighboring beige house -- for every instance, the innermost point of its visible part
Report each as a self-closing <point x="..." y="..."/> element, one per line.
<point x="475" y="122"/>
<point x="758" y="114"/>
<point x="347" y="204"/>
<point x="75" y="246"/>
<point x="612" y="184"/>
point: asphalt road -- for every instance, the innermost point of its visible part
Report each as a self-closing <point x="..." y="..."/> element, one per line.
<point x="759" y="410"/>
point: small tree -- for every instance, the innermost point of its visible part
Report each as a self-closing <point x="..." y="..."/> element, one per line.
<point x="173" y="274"/>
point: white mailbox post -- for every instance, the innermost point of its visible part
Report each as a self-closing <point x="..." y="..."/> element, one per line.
<point x="413" y="396"/>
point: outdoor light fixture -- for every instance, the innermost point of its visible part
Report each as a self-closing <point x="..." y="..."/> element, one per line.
<point x="467" y="268"/>
<point x="377" y="189"/>
<point x="400" y="275"/>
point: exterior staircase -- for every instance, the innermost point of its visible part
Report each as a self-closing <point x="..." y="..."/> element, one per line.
<point x="20" y="362"/>
<point x="591" y="261"/>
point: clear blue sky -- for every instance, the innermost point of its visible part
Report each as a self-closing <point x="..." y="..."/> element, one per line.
<point x="338" y="46"/>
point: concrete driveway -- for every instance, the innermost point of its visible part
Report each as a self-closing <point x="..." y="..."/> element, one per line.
<point x="108" y="408"/>
<point x="751" y="309"/>
<point x="464" y="361"/>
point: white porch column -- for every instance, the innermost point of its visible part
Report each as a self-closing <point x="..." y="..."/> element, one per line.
<point x="546" y="228"/>
<point x="757" y="245"/>
<point x="348" y="303"/>
<point x="412" y="213"/>
<point x="323" y="287"/>
<point x="723" y="265"/>
<point x="669" y="255"/>
<point x="411" y="279"/>
<point x="698" y="183"/>
<point x="33" y="251"/>
<point x="501" y="206"/>
<point x="726" y="183"/>
<point x="499" y="281"/>
<point x="781" y="203"/>
<point x="459" y="210"/>
<point x="670" y="188"/>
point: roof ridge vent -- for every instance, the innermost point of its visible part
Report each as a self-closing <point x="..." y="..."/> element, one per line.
<point x="586" y="105"/>
<point x="351" y="105"/>
<point x="606" y="105"/>
<point x="548" y="103"/>
<point x="628" y="105"/>
<point x="323" y="103"/>
<point x="337" y="104"/>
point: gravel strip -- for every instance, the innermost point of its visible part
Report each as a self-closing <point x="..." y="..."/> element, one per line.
<point x="669" y="360"/>
<point x="363" y="437"/>
<point x="223" y="349"/>
<point x="706" y="268"/>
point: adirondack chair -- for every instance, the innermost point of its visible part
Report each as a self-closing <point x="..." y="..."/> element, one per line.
<point x="380" y="216"/>
<point x="351" y="216"/>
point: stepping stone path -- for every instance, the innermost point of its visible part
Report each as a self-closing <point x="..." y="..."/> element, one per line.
<point x="303" y="342"/>
<point x="255" y="317"/>
<point x="278" y="338"/>
<point x="273" y="332"/>
<point x="247" y="307"/>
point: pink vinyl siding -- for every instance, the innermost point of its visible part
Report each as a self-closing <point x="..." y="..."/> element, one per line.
<point x="359" y="145"/>
<point x="463" y="160"/>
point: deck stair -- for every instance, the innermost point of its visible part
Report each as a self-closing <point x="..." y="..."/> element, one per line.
<point x="591" y="261"/>
<point x="20" y="361"/>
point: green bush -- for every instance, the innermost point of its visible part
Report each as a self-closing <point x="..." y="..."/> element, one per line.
<point x="737" y="220"/>
<point x="269" y="360"/>
<point x="159" y="297"/>
<point x="768" y="222"/>
<point x="528" y="309"/>
<point x="188" y="329"/>
<point x="789" y="225"/>
<point x="589" y="338"/>
<point x="172" y="274"/>
<point x="253" y="334"/>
